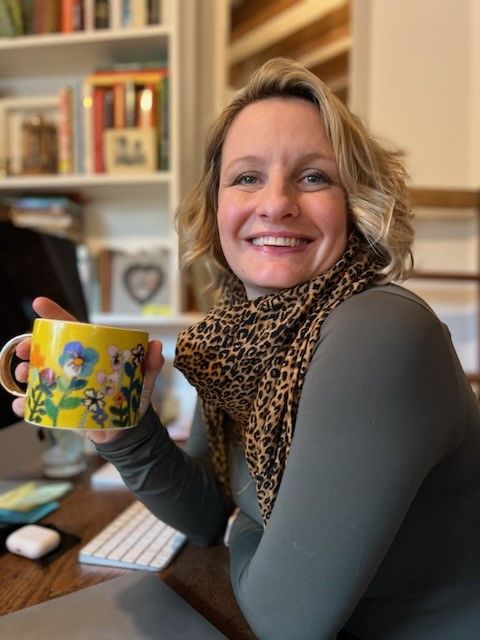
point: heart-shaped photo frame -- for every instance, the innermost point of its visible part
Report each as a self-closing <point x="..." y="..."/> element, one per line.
<point x="143" y="280"/>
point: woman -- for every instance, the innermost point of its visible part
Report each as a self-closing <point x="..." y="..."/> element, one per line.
<point x="334" y="414"/>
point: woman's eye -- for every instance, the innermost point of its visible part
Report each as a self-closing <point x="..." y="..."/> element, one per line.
<point x="247" y="179"/>
<point x="316" y="177"/>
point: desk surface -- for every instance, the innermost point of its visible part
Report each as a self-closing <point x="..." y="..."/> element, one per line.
<point x="200" y="575"/>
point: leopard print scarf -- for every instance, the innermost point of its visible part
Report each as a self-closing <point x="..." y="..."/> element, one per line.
<point x="248" y="359"/>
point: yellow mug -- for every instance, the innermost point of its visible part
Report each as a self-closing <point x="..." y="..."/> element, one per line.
<point x="82" y="376"/>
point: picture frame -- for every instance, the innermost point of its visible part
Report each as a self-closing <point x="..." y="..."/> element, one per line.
<point x="130" y="150"/>
<point x="29" y="135"/>
<point x="140" y="282"/>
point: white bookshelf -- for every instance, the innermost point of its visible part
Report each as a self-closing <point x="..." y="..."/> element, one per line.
<point x="59" y="54"/>
<point x="35" y="65"/>
<point x="133" y="211"/>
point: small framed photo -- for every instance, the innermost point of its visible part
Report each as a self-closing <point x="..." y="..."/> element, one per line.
<point x="140" y="282"/>
<point x="132" y="150"/>
<point x="29" y="135"/>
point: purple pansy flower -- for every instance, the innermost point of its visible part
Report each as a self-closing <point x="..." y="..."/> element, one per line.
<point x="78" y="360"/>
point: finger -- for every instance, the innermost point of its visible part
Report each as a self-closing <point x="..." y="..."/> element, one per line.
<point x="153" y="364"/>
<point x="47" y="308"/>
<point x="154" y="359"/>
<point x="18" y="406"/>
<point x="21" y="372"/>
<point x="23" y="349"/>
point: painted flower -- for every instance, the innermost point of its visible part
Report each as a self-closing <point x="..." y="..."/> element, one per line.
<point x="108" y="381"/>
<point x="118" y="398"/>
<point x="37" y="361"/>
<point x="48" y="379"/>
<point x="100" y="416"/>
<point x="93" y="400"/>
<point x="77" y="360"/>
<point x="138" y="354"/>
<point x="117" y="357"/>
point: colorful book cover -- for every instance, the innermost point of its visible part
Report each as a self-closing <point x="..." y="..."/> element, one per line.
<point x="7" y="27"/>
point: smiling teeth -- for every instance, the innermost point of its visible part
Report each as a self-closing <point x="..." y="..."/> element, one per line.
<point x="278" y="241"/>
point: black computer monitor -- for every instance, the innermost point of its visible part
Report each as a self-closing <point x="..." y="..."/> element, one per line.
<point x="34" y="264"/>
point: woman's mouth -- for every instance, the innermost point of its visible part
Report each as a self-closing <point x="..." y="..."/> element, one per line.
<point x="278" y="241"/>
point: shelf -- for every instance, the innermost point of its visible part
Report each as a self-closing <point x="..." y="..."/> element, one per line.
<point x="445" y="275"/>
<point x="68" y="182"/>
<point x="78" y="53"/>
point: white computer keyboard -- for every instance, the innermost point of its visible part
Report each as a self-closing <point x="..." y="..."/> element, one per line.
<point x="136" y="539"/>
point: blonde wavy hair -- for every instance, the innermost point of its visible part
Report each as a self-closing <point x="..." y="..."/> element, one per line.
<point x="373" y="177"/>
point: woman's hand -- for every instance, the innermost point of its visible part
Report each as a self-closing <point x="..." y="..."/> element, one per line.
<point x="154" y="360"/>
<point x="45" y="308"/>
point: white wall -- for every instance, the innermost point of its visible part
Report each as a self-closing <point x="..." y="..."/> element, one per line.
<point x="416" y="83"/>
<point x="422" y="57"/>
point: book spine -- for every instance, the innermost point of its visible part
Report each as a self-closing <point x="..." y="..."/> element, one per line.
<point x="28" y="12"/>
<point x="139" y="9"/>
<point x="97" y="117"/>
<point x="154" y="11"/>
<point x="102" y="18"/>
<point x="15" y="121"/>
<point x="87" y="128"/>
<point x="52" y="16"/>
<point x="108" y="113"/>
<point x="163" y="108"/>
<point x="65" y="130"/>
<point x="66" y="15"/>
<point x="16" y="16"/>
<point x="119" y="105"/>
<point x="77" y="15"/>
<point x="116" y="14"/>
<point x="7" y="28"/>
<point x="126" y="14"/>
<point x="89" y="15"/>
<point x="130" y="104"/>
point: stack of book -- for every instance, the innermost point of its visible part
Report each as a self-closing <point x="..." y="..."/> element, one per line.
<point x="52" y="214"/>
<point x="26" y="17"/>
<point x="126" y="120"/>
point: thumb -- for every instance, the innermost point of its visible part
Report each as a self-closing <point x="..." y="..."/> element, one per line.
<point x="153" y="364"/>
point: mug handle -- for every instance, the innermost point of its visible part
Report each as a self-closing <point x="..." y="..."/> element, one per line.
<point x="7" y="380"/>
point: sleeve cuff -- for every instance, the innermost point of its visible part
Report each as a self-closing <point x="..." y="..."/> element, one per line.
<point x="228" y="530"/>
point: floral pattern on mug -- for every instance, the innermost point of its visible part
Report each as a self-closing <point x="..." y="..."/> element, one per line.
<point x="53" y="392"/>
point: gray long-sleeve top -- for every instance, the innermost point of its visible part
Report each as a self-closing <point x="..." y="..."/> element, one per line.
<point x="376" y="527"/>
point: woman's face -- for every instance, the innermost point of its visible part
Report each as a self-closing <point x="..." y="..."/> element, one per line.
<point x="282" y="216"/>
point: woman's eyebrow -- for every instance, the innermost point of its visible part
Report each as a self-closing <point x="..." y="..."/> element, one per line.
<point x="307" y="157"/>
<point x="242" y="160"/>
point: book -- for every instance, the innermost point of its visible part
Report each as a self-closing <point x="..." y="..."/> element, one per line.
<point x="89" y="15"/>
<point x="28" y="14"/>
<point x="119" y="105"/>
<point x="65" y="131"/>
<point x="97" y="130"/>
<point x="71" y="16"/>
<point x="16" y="15"/>
<point x="55" y="215"/>
<point x="116" y="21"/>
<point x="7" y="25"/>
<point x="104" y="273"/>
<point x="49" y="18"/>
<point x="101" y="14"/>
<point x="154" y="11"/>
<point x="138" y="13"/>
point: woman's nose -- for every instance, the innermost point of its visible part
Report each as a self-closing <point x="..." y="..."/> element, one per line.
<point x="277" y="200"/>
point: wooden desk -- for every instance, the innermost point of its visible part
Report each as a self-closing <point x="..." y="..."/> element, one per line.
<point x="200" y="575"/>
